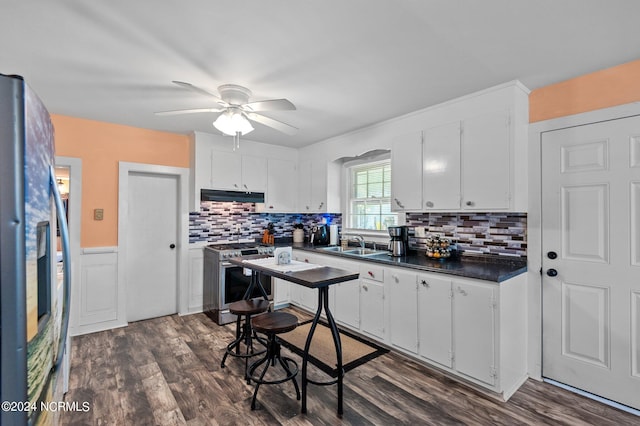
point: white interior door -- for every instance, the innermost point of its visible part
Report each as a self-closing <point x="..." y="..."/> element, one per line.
<point x="591" y="258"/>
<point x="151" y="254"/>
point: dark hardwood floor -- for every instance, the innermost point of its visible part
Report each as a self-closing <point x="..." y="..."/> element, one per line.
<point x="166" y="371"/>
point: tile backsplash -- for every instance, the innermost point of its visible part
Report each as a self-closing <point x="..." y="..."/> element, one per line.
<point x="486" y="233"/>
<point x="483" y="233"/>
<point x="229" y="221"/>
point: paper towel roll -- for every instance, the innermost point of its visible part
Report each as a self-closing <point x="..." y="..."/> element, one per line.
<point x="333" y="235"/>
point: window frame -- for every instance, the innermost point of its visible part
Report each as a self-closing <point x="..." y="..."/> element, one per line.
<point x="349" y="171"/>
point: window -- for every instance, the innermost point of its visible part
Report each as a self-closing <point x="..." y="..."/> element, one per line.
<point x="370" y="196"/>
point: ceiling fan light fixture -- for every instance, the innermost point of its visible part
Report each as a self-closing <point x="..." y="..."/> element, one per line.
<point x="232" y="122"/>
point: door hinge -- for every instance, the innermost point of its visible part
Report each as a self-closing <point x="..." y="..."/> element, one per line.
<point x="451" y="356"/>
<point x="450" y="293"/>
<point x="492" y="302"/>
<point x="492" y="372"/>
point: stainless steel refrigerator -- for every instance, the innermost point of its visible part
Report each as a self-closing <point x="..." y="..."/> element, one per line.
<point x="34" y="284"/>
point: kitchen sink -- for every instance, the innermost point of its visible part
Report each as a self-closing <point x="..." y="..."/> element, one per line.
<point x="354" y="251"/>
<point x="364" y="252"/>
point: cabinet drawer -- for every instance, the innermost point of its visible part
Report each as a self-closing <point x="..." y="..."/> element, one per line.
<point x="372" y="272"/>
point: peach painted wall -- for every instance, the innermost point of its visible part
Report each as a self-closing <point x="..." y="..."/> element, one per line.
<point x="602" y="89"/>
<point x="101" y="146"/>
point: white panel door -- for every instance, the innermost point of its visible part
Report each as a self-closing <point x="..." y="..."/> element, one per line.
<point x="151" y="254"/>
<point x="591" y="267"/>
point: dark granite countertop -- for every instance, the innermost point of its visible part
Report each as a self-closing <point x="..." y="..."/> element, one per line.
<point x="488" y="268"/>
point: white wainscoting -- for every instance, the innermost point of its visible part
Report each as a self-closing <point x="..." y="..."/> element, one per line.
<point x="98" y="301"/>
<point x="95" y="298"/>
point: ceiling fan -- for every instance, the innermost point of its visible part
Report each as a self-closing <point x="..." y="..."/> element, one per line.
<point x="236" y="110"/>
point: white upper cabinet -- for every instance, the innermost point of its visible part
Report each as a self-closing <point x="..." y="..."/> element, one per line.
<point x="406" y="172"/>
<point x="254" y="174"/>
<point x="236" y="172"/>
<point x="312" y="187"/>
<point x="441" y="167"/>
<point x="486" y="162"/>
<point x="469" y="155"/>
<point x="281" y="186"/>
<point x="226" y="170"/>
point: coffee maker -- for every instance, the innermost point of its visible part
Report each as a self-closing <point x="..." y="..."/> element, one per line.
<point x="399" y="240"/>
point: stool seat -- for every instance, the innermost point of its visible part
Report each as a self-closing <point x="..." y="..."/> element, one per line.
<point x="244" y="333"/>
<point x="249" y="307"/>
<point x="274" y="322"/>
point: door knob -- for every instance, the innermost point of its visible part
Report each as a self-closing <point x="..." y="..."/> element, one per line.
<point x="172" y="246"/>
<point x="552" y="255"/>
<point x="552" y="272"/>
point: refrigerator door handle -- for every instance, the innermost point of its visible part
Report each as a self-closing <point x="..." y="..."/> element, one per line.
<point x="66" y="266"/>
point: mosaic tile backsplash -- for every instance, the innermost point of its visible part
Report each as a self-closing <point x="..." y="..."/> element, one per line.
<point x="475" y="233"/>
<point x="219" y="222"/>
<point x="486" y="233"/>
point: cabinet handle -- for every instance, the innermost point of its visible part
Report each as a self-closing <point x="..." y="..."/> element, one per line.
<point x="395" y="277"/>
<point x="429" y="203"/>
<point x="245" y="187"/>
<point x="270" y="207"/>
<point x="425" y="284"/>
<point x="307" y="207"/>
<point x="371" y="274"/>
<point x="365" y="288"/>
<point x="320" y="206"/>
<point x="470" y="203"/>
<point x="461" y="291"/>
<point x="306" y="260"/>
<point x="399" y="203"/>
<point x="235" y="185"/>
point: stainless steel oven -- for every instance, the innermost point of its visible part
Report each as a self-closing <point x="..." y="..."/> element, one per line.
<point x="225" y="283"/>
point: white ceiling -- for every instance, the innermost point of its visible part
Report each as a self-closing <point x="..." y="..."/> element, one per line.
<point x="345" y="64"/>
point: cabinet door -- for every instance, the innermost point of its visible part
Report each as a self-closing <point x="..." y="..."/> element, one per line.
<point x="196" y="279"/>
<point x="347" y="303"/>
<point x="226" y="170"/>
<point x="441" y="167"/>
<point x="403" y="309"/>
<point x="474" y="330"/>
<point x="304" y="186"/>
<point x="281" y="292"/>
<point x="406" y="172"/>
<point x="372" y="308"/>
<point x="254" y="174"/>
<point x="486" y="176"/>
<point x="281" y="185"/>
<point x="434" y="313"/>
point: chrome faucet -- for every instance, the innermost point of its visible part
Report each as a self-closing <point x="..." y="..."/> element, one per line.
<point x="360" y="239"/>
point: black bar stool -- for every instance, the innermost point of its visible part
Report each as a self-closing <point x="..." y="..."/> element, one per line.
<point x="244" y="332"/>
<point x="272" y="324"/>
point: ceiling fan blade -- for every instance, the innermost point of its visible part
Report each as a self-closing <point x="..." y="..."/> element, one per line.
<point x="278" y="125"/>
<point x="200" y="90"/>
<point x="189" y="111"/>
<point x="270" y="105"/>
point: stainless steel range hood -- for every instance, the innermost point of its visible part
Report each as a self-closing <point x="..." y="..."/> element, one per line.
<point x="238" y="196"/>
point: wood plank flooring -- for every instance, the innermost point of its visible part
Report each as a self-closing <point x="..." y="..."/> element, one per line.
<point x="166" y="371"/>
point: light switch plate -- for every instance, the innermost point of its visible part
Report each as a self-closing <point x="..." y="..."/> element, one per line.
<point x="98" y="214"/>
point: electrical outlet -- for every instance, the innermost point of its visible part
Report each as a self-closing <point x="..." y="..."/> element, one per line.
<point x="98" y="214"/>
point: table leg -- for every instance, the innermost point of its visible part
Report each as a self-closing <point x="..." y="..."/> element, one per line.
<point x="323" y="302"/>
<point x="255" y="282"/>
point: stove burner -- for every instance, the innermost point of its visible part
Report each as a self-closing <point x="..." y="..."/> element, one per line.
<point x="234" y="246"/>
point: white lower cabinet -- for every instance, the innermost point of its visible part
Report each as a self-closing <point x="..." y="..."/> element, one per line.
<point x="474" y="320"/>
<point x="434" y="319"/>
<point x="281" y="294"/>
<point x="472" y="329"/>
<point x="403" y="308"/>
<point x="372" y="308"/>
<point x="196" y="279"/>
